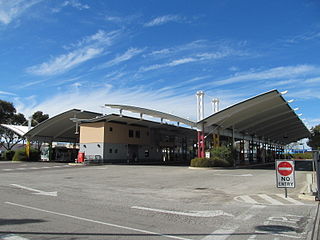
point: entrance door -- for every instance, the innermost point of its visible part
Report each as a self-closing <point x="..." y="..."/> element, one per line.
<point x="133" y="153"/>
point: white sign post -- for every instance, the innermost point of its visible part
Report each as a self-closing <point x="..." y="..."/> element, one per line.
<point x="285" y="174"/>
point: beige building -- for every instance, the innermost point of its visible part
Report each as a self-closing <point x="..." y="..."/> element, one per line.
<point x="135" y="140"/>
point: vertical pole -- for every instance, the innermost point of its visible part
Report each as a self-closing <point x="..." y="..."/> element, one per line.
<point x="202" y="145"/>
<point x="199" y="144"/>
<point x="285" y="192"/>
<point x="28" y="141"/>
<point x="316" y="159"/>
<point x="234" y="150"/>
<point x="50" y="150"/>
<point x="200" y="116"/>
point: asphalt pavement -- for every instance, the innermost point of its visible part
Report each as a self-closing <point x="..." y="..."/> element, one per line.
<point x="58" y="201"/>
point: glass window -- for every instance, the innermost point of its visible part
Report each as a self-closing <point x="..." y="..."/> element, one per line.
<point x="130" y="133"/>
<point x="137" y="134"/>
<point x="110" y="150"/>
<point x="110" y="129"/>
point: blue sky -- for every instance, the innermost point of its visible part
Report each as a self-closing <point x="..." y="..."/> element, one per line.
<point x="63" y="54"/>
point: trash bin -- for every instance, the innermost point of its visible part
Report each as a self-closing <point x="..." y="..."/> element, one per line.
<point x="80" y="157"/>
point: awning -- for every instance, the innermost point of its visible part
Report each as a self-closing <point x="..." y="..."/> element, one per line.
<point x="153" y="113"/>
<point x="267" y="116"/>
<point x="19" y="130"/>
<point x="60" y="128"/>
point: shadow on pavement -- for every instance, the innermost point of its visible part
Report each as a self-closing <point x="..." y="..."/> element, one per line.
<point x="19" y="221"/>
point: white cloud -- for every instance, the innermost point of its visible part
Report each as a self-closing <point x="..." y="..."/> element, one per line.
<point x="84" y="50"/>
<point x="65" y="62"/>
<point x="130" y="53"/>
<point x="99" y="38"/>
<point x="273" y="73"/>
<point x="160" y="52"/>
<point x="12" y="9"/>
<point x="307" y="36"/>
<point x="312" y="80"/>
<point x="166" y="101"/>
<point x="7" y="93"/>
<point x="76" y="4"/>
<point x="311" y="122"/>
<point x="162" y="20"/>
<point x="178" y="105"/>
<point x="197" y="58"/>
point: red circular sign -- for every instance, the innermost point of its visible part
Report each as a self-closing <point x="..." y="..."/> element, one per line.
<point x="285" y="168"/>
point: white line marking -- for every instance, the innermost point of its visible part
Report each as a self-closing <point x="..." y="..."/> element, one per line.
<point x="221" y="234"/>
<point x="214" y="213"/>
<point x="226" y="232"/>
<point x="33" y="168"/>
<point x="21" y="168"/>
<point x="38" y="192"/>
<point x="289" y="199"/>
<point x="248" y="199"/>
<point x="7" y="169"/>
<point x="298" y="216"/>
<point x="98" y="222"/>
<point x="279" y="234"/>
<point x="233" y="175"/>
<point x="45" y="167"/>
<point x="270" y="199"/>
<point x="12" y="237"/>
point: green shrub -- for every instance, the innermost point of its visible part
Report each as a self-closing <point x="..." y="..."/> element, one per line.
<point x="202" y="162"/>
<point x="223" y="156"/>
<point x="8" y="155"/>
<point x="302" y="156"/>
<point x="219" y="162"/>
<point x="20" y="155"/>
<point x="210" y="162"/>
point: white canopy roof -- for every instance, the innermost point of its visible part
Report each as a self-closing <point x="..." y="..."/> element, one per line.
<point x="266" y="116"/>
<point x="60" y="127"/>
<point x="19" y="130"/>
<point x="153" y="113"/>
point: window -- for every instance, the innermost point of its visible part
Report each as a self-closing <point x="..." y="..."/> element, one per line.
<point x="130" y="133"/>
<point x="110" y="150"/>
<point x="137" y="134"/>
<point x="147" y="133"/>
<point x="116" y="151"/>
<point x="110" y="129"/>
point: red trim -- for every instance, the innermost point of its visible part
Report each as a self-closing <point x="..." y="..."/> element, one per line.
<point x="201" y="144"/>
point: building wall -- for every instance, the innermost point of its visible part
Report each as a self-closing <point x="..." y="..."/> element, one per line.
<point x="115" y="152"/>
<point x="92" y="132"/>
<point x="119" y="133"/>
<point x="92" y="149"/>
<point x="116" y="142"/>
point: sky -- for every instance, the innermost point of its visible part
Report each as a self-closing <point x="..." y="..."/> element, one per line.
<point x="58" y="55"/>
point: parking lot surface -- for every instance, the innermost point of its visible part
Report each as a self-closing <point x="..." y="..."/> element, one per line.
<point x="57" y="201"/>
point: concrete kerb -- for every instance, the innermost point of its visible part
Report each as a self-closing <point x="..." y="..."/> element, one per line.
<point x="308" y="191"/>
<point x="232" y="168"/>
<point x="315" y="231"/>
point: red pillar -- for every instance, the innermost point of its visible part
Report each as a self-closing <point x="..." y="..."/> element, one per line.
<point x="201" y="144"/>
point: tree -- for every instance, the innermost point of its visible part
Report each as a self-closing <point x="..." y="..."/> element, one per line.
<point x="38" y="117"/>
<point x="8" y="115"/>
<point x="314" y="139"/>
<point x="7" y="110"/>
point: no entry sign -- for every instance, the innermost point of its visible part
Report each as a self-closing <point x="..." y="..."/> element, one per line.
<point x="285" y="174"/>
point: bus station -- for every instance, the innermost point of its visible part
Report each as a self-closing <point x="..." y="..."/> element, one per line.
<point x="257" y="128"/>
